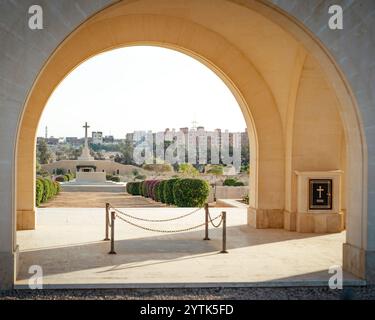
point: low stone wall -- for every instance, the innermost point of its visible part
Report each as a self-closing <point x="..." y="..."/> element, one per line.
<point x="90" y="177"/>
<point x="115" y="188"/>
<point x="224" y="192"/>
<point x="230" y="203"/>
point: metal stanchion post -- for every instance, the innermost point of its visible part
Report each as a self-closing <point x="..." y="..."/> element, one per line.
<point x="206" y="222"/>
<point x="106" y="222"/>
<point x="113" y="216"/>
<point x="224" y="217"/>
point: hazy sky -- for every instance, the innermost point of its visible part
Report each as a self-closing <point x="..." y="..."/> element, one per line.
<point x="140" y="88"/>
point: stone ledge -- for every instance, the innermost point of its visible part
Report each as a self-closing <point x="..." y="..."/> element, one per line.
<point x="319" y="222"/>
<point x="265" y="218"/>
<point x="354" y="260"/>
<point x="26" y="220"/>
<point x="290" y="221"/>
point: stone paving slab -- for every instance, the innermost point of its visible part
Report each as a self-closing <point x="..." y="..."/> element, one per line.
<point x="68" y="245"/>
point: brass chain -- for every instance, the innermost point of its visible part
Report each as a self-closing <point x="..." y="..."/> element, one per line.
<point x="165" y="231"/>
<point x="221" y="220"/>
<point x="155" y="220"/>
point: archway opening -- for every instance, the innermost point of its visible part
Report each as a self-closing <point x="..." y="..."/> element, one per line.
<point x="130" y="95"/>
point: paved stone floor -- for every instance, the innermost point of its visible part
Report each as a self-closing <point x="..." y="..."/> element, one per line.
<point x="98" y="200"/>
<point x="68" y="245"/>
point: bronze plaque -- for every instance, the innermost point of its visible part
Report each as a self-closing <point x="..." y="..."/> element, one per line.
<point x="320" y="191"/>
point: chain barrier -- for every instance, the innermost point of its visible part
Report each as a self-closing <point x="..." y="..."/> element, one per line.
<point x="165" y="231"/>
<point x="154" y="220"/>
<point x="110" y="224"/>
<point x="211" y="220"/>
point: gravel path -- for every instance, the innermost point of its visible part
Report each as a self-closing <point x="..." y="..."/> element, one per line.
<point x="307" y="293"/>
<point x="98" y="200"/>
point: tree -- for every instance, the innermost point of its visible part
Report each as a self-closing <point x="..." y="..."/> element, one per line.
<point x="43" y="153"/>
<point x="245" y="155"/>
<point x="127" y="150"/>
<point x="37" y="166"/>
<point x="60" y="171"/>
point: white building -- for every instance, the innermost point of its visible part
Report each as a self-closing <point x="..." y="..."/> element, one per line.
<point x="97" y="137"/>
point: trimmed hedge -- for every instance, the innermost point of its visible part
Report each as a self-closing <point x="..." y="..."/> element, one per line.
<point x="148" y="188"/>
<point x="39" y="191"/>
<point x="154" y="190"/>
<point x="142" y="188"/>
<point x="134" y="188"/>
<point x="57" y="187"/>
<point x="160" y="191"/>
<point x="180" y="192"/>
<point x="190" y="192"/>
<point x="46" y="189"/>
<point x="168" y="191"/>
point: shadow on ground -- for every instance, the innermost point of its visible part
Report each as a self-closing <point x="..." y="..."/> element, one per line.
<point x="146" y="251"/>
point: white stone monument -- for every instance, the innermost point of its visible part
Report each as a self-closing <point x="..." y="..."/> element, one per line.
<point x="86" y="169"/>
<point x="85" y="155"/>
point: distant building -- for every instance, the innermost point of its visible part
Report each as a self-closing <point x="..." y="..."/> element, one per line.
<point x="52" y="141"/>
<point x="97" y="137"/>
<point x="108" y="139"/>
<point x="73" y="141"/>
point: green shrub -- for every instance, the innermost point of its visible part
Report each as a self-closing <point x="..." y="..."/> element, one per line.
<point x="46" y="189"/>
<point x="231" y="182"/>
<point x="216" y="170"/>
<point x="115" y="179"/>
<point x="60" y="171"/>
<point x="52" y="188"/>
<point x="168" y="191"/>
<point x="137" y="188"/>
<point x="188" y="169"/>
<point x="147" y="186"/>
<point x="133" y="188"/>
<point x="158" y="167"/>
<point x="155" y="192"/>
<point x="190" y="192"/>
<point x="239" y="184"/>
<point x="140" y="177"/>
<point x="57" y="187"/>
<point x="160" y="191"/>
<point x="61" y="179"/>
<point x="39" y="191"/>
<point x="129" y="187"/>
<point x="245" y="199"/>
<point x="152" y="189"/>
<point x="143" y="188"/>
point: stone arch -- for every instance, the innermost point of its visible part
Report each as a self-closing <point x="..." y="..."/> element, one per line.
<point x="234" y="54"/>
<point x="257" y="94"/>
